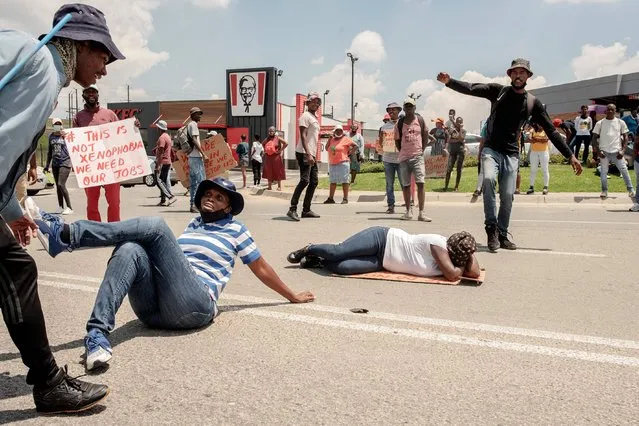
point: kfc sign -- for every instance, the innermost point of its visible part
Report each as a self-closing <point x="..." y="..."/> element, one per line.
<point x="248" y="93"/>
<point x="124" y="113"/>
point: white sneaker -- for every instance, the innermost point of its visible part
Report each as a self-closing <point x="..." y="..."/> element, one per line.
<point x="423" y="218"/>
<point x="408" y="215"/>
<point x="67" y="211"/>
<point x="635" y="207"/>
<point x="59" y="210"/>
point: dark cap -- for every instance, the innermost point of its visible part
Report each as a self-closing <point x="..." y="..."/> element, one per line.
<point x="235" y="198"/>
<point x="87" y="24"/>
<point x="520" y="63"/>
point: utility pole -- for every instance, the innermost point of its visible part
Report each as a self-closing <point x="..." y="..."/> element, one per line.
<point x="353" y="60"/>
<point x="128" y="98"/>
<point x="69" y="100"/>
<point x="77" y="105"/>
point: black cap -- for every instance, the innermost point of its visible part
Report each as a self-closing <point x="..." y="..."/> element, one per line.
<point x="87" y="24"/>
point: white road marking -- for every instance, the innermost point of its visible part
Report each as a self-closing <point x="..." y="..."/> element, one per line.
<point x="578" y="222"/>
<point x="462" y="325"/>
<point x="552" y="252"/>
<point x="69" y="277"/>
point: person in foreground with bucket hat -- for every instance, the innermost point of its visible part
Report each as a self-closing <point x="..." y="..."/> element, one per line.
<point x="80" y="51"/>
<point x="172" y="283"/>
<point x="511" y="108"/>
<point x="163" y="160"/>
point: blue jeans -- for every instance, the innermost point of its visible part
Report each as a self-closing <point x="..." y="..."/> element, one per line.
<point x="637" y="180"/>
<point x="196" y="175"/>
<point x="149" y="266"/>
<point x="358" y="254"/>
<point x="390" y="169"/>
<point x="621" y="166"/>
<point x="497" y="165"/>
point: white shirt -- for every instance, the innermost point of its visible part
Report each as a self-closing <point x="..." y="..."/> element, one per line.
<point x="193" y="131"/>
<point x="583" y="125"/>
<point x="410" y="254"/>
<point x="309" y="121"/>
<point x="258" y="149"/>
<point x="610" y="132"/>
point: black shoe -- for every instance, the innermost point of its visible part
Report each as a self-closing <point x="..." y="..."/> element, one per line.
<point x="391" y="210"/>
<point x="297" y="255"/>
<point x="67" y="395"/>
<point x="329" y="200"/>
<point x="476" y="194"/>
<point x="311" y="262"/>
<point x="310" y="213"/>
<point x="493" y="240"/>
<point x="345" y="201"/>
<point x="505" y="243"/>
<point x="293" y="215"/>
<point x="530" y="191"/>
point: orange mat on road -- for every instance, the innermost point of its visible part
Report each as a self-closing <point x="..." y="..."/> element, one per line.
<point x="393" y="276"/>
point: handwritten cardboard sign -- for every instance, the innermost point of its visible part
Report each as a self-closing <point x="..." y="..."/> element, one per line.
<point x="436" y="166"/>
<point x="108" y="153"/>
<point x="388" y="141"/>
<point x="220" y="160"/>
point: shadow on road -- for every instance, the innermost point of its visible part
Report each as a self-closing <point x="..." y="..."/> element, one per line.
<point x="13" y="386"/>
<point x="484" y="249"/>
<point x="231" y="308"/>
<point x="10" y="416"/>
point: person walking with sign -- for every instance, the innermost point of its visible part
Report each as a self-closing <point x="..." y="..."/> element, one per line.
<point x="511" y="107"/>
<point x="80" y="51"/>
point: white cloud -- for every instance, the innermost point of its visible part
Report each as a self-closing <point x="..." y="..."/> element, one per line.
<point x="215" y="96"/>
<point x="473" y="110"/>
<point x="598" y="61"/>
<point x="131" y="25"/>
<point x="317" y="61"/>
<point x="422" y="87"/>
<point x="211" y="4"/>
<point x="580" y="1"/>
<point x="368" y="46"/>
<point x="188" y="82"/>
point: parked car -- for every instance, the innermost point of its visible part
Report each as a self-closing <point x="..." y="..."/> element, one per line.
<point x="42" y="182"/>
<point x="472" y="144"/>
<point x="149" y="180"/>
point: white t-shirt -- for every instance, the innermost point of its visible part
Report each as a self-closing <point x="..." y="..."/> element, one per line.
<point x="193" y="131"/>
<point x="257" y="149"/>
<point x="410" y="254"/>
<point x="610" y="132"/>
<point x="309" y="121"/>
<point x="583" y="125"/>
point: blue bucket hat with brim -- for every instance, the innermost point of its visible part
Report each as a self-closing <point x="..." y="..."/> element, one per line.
<point x="235" y="198"/>
<point x="87" y="24"/>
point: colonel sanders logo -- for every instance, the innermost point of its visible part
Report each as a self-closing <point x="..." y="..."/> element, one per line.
<point x="247" y="93"/>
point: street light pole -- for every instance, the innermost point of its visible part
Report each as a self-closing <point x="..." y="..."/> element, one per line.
<point x="353" y="60"/>
<point x="324" y="99"/>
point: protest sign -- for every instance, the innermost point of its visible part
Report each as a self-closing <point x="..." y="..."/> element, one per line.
<point x="436" y="166"/>
<point x="108" y="153"/>
<point x="388" y="141"/>
<point x="220" y="160"/>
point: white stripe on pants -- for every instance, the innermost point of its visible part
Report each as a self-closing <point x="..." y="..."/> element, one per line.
<point x="536" y="158"/>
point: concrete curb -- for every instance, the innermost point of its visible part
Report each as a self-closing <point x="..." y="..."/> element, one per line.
<point x="432" y="197"/>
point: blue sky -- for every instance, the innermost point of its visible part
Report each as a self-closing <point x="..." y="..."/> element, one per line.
<point x="180" y="49"/>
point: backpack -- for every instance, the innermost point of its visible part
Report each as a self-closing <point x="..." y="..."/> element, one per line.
<point x="183" y="141"/>
<point x="400" y="124"/>
<point x="530" y="104"/>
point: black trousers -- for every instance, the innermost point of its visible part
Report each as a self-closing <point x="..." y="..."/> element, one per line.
<point x="257" y="171"/>
<point x="21" y="308"/>
<point x="60" y="175"/>
<point x="160" y="182"/>
<point x="308" y="177"/>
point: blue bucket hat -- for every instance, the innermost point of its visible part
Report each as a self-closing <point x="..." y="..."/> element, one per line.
<point x="224" y="185"/>
<point x="87" y="24"/>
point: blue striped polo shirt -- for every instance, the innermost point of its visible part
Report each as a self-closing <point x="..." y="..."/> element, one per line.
<point x="211" y="249"/>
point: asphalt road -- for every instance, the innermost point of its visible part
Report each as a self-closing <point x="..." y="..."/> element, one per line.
<point x="552" y="336"/>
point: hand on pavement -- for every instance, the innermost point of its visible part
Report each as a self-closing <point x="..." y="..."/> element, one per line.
<point x="303" y="297"/>
<point x="24" y="229"/>
<point x="443" y="77"/>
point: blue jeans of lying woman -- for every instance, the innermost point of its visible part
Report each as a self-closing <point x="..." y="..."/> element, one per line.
<point x="149" y="266"/>
<point x="358" y="254"/>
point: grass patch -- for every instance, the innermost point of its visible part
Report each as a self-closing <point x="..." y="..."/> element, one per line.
<point x="562" y="179"/>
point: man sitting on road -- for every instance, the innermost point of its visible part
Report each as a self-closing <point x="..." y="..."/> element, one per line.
<point x="172" y="283"/>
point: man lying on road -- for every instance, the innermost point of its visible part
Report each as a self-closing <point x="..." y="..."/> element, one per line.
<point x="172" y="283"/>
